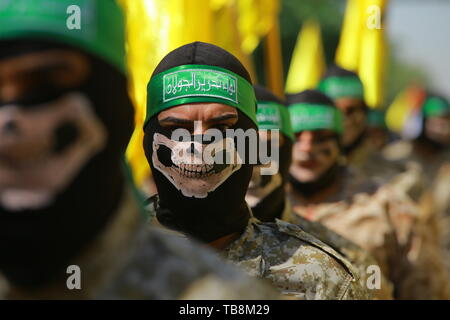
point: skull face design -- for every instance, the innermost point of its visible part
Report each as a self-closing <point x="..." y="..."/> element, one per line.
<point x="261" y="186"/>
<point x="189" y="166"/>
<point x="42" y="148"/>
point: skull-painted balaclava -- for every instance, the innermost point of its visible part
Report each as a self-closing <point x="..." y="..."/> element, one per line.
<point x="266" y="194"/>
<point x="204" y="199"/>
<point x="311" y="110"/>
<point x="346" y="90"/>
<point x="65" y="121"/>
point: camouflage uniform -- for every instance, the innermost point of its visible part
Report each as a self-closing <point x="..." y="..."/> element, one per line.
<point x="359" y="257"/>
<point x="436" y="204"/>
<point x="372" y="164"/>
<point x="385" y="221"/>
<point x="296" y="263"/>
<point x="131" y="261"/>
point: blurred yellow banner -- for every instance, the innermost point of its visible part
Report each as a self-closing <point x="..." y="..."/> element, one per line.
<point x="347" y="53"/>
<point x="362" y="46"/>
<point x="155" y="27"/>
<point x="372" y="58"/>
<point x="308" y="60"/>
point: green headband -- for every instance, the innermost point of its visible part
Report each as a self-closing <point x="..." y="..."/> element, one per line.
<point x="271" y="115"/>
<point x="338" y="87"/>
<point x="435" y="107"/>
<point x="101" y="25"/>
<point x="199" y="83"/>
<point x="305" y="117"/>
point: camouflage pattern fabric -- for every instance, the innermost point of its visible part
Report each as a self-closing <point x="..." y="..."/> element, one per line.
<point x="386" y="222"/>
<point x="131" y="260"/>
<point x="370" y="163"/>
<point x="360" y="258"/>
<point x="295" y="262"/>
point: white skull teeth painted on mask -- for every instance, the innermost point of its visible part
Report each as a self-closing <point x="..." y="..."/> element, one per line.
<point x="189" y="173"/>
<point x="32" y="169"/>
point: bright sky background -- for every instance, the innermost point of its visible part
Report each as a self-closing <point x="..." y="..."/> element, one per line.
<point x="421" y="30"/>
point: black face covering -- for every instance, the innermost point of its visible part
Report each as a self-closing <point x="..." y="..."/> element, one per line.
<point x="325" y="180"/>
<point x="272" y="206"/>
<point x="36" y="246"/>
<point x="222" y="212"/>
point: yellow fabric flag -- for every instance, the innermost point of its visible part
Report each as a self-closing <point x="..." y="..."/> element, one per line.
<point x="308" y="60"/>
<point x="397" y="112"/>
<point x="372" y="58"/>
<point x="348" y="50"/>
<point x="273" y="61"/>
<point x="155" y="27"/>
<point x="256" y="19"/>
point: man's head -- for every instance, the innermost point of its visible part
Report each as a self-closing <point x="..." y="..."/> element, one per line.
<point x="377" y="131"/>
<point x="317" y="125"/>
<point x="346" y="90"/>
<point x="65" y="121"/>
<point x="436" y="114"/>
<point x="266" y="192"/>
<point x="200" y="92"/>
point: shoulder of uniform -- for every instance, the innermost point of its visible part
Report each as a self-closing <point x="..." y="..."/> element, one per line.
<point x="299" y="233"/>
<point x="398" y="150"/>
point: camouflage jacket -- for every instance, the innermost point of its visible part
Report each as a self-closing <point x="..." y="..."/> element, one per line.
<point x="386" y="222"/>
<point x="296" y="263"/>
<point x="360" y="258"/>
<point x="436" y="204"/>
<point x="371" y="164"/>
<point x="131" y="260"/>
<point x="405" y="151"/>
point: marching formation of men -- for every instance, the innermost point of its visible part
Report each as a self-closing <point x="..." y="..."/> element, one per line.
<point x="345" y="214"/>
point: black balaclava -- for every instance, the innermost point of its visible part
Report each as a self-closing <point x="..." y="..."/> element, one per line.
<point x="223" y="211"/>
<point x="336" y="71"/>
<point x="272" y="206"/>
<point x="36" y="246"/>
<point x="330" y="175"/>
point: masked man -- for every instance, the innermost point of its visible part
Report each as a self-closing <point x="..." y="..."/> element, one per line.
<point x="70" y="224"/>
<point x="381" y="220"/>
<point x="347" y="92"/>
<point x="267" y="197"/>
<point x="204" y="92"/>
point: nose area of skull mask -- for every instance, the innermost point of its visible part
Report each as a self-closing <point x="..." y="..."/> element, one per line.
<point x="194" y="167"/>
<point x="60" y="136"/>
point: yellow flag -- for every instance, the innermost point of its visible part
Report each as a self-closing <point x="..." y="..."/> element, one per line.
<point x="256" y="18"/>
<point x="348" y="50"/>
<point x="372" y="59"/>
<point x="308" y="60"/>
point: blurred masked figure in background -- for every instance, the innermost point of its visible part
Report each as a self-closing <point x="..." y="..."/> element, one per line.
<point x="267" y="196"/>
<point x="380" y="219"/>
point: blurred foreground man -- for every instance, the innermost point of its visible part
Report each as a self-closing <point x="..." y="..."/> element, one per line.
<point x="200" y="105"/>
<point x="70" y="224"/>
<point x="267" y="197"/>
<point x="382" y="220"/>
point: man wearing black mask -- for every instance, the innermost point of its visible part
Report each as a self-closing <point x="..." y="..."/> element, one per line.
<point x="66" y="205"/>
<point x="204" y="92"/>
